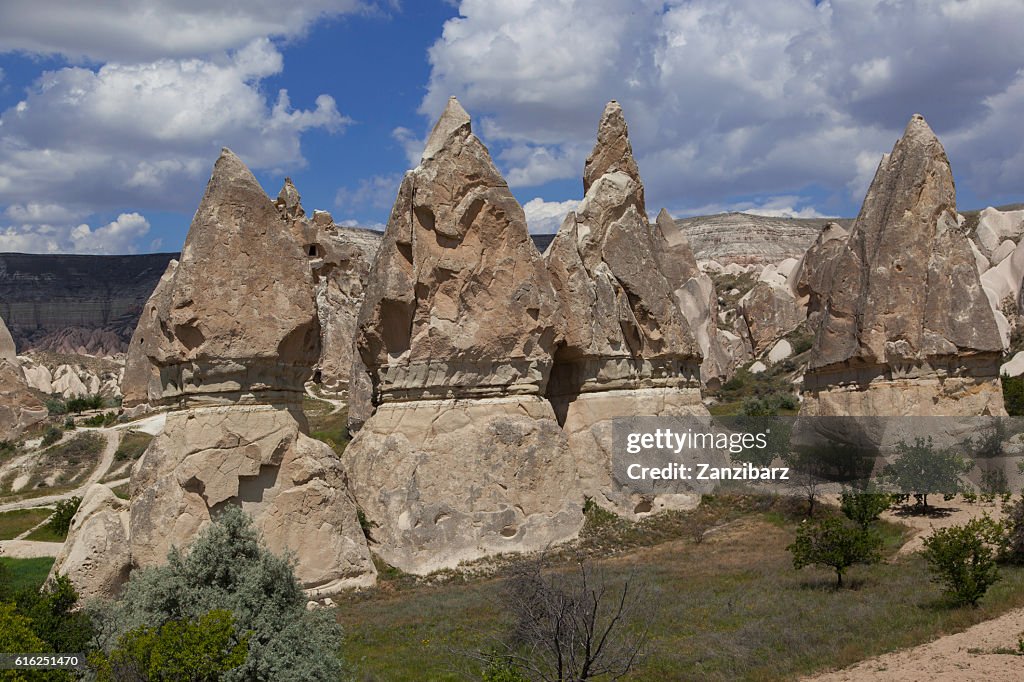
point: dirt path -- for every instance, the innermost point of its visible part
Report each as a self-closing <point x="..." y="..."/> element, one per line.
<point x="965" y="656"/>
<point x="29" y="549"/>
<point x="113" y="437"/>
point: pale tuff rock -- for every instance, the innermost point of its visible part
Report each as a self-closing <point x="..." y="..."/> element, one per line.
<point x="780" y="351"/>
<point x="907" y="327"/>
<point x="770" y="310"/>
<point x="1002" y="251"/>
<point x="228" y="339"/>
<point x="1014" y="367"/>
<point x="461" y="457"/>
<point x="19" y="408"/>
<point x="995" y="227"/>
<point x="340" y="260"/>
<point x="625" y="345"/>
<point x="811" y="279"/>
<point x="258" y="457"/>
<point x="241" y="319"/>
<point x="979" y="258"/>
<point x="85" y="376"/>
<point x="96" y="556"/>
<point x="741" y="239"/>
<point x="698" y="301"/>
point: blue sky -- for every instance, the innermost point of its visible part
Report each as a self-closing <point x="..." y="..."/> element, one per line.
<point x="112" y="114"/>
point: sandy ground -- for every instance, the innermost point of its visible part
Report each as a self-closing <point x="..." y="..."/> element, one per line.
<point x="965" y="656"/>
<point x="29" y="549"/>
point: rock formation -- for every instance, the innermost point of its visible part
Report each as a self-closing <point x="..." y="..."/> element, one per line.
<point x="770" y="310"/>
<point x="812" y="278"/>
<point x="624" y="346"/>
<point x="907" y="328"/>
<point x="462" y="455"/>
<point x="340" y="259"/>
<point x="230" y="336"/>
<point x="19" y="408"/>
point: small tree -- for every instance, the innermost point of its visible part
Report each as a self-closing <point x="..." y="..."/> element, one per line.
<point x="574" y="626"/>
<point x="921" y="469"/>
<point x="1012" y="541"/>
<point x="962" y="559"/>
<point x="865" y="506"/>
<point x="833" y="543"/>
<point x="60" y="521"/>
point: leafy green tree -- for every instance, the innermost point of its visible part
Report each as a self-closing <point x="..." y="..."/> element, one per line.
<point x="833" y="543"/>
<point x="1013" y="395"/>
<point x="922" y="469"/>
<point x="60" y="521"/>
<point x="229" y="568"/>
<point x="863" y="507"/>
<point x="1011" y="543"/>
<point x="200" y="650"/>
<point x="54" y="616"/>
<point x="963" y="560"/>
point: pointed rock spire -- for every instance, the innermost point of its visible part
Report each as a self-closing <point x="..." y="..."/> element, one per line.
<point x="454" y="120"/>
<point x="289" y="201"/>
<point x="613" y="151"/>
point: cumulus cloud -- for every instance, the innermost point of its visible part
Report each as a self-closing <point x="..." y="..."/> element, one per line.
<point x="734" y="99"/>
<point x="118" y="236"/>
<point x="147" y="30"/>
<point x="545" y="217"/>
<point x="147" y="134"/>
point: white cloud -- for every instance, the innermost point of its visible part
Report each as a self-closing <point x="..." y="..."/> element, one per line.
<point x="119" y="236"/>
<point x="781" y="206"/>
<point x="147" y="30"/>
<point x="739" y="98"/>
<point x="147" y="134"/>
<point x="545" y="217"/>
<point x="412" y="145"/>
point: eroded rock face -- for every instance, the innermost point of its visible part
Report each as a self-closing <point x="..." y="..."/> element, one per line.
<point x="624" y="347"/>
<point x="96" y="556"/>
<point x="455" y="335"/>
<point x="256" y="456"/>
<point x="19" y="408"/>
<point x="811" y="279"/>
<point x="907" y="327"/>
<point x="227" y="341"/>
<point x="770" y="310"/>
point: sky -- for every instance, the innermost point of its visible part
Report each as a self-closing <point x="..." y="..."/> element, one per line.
<point x="113" y="112"/>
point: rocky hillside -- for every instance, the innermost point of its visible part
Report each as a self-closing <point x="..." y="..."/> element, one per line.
<point x="751" y="239"/>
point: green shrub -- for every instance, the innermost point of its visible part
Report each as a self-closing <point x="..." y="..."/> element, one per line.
<point x="60" y="522"/>
<point x="51" y="436"/>
<point x="200" y="649"/>
<point x="56" y="406"/>
<point x="833" y="543"/>
<point x="105" y="419"/>
<point x="962" y="559"/>
<point x="864" y="507"/>
<point x="83" y="403"/>
<point x="1013" y="394"/>
<point x="1011" y="545"/>
<point x="69" y="424"/>
<point x="229" y="568"/>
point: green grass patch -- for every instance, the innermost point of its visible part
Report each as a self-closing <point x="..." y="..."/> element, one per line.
<point x="26" y="573"/>
<point x="46" y="534"/>
<point x="331" y="428"/>
<point x="121" y="491"/>
<point x="725" y="602"/>
<point x="132" y="445"/>
<point x="14" y="523"/>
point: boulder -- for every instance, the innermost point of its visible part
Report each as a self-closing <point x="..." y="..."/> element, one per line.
<point x="995" y="226"/>
<point x="907" y="328"/>
<point x="454" y="341"/>
<point x="96" y="556"/>
<point x="1002" y="251"/>
<point x="1014" y="367"/>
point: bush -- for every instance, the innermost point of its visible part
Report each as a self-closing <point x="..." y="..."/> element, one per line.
<point x="833" y="543"/>
<point x="1013" y="394"/>
<point x="864" y="507"/>
<point x="963" y="560"/>
<point x="229" y="568"/>
<point x="56" y="406"/>
<point x="51" y="436"/>
<point x="83" y="403"/>
<point x="201" y="649"/>
<point x="60" y="521"/>
<point x="69" y="424"/>
<point x="1011" y="545"/>
<point x="105" y="419"/>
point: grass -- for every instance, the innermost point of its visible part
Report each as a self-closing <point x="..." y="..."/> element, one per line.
<point x="725" y="602"/>
<point x="121" y="491"/>
<point x="46" y="534"/>
<point x="14" y="523"/>
<point x="132" y="445"/>
<point x="26" y="573"/>
<point x="325" y="425"/>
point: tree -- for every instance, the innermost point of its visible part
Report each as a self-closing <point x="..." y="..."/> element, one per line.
<point x="962" y="559"/>
<point x="60" y="521"/>
<point x="201" y="650"/>
<point x="832" y="542"/>
<point x="863" y="507"/>
<point x="1011" y="543"/>
<point x="229" y="568"/>
<point x="921" y="469"/>
<point x="570" y="626"/>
